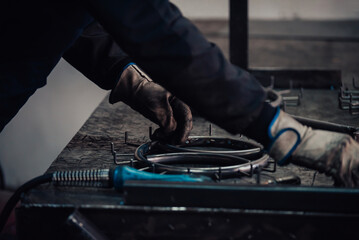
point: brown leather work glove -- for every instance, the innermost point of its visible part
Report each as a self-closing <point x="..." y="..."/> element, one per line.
<point x="138" y="91"/>
<point x="333" y="153"/>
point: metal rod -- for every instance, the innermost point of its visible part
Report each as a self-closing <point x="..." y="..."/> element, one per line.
<point x="291" y="84"/>
<point x="317" y="124"/>
<point x="238" y="32"/>
<point x="125" y="162"/>
<point x="112" y="148"/>
<point x="291" y="98"/>
<point x="115" y="157"/>
<point x="272" y="82"/>
<point x="346" y="92"/>
<point x="83" y="228"/>
<point x="313" y="179"/>
<point x="354" y="84"/>
<point x="144" y="169"/>
<point x="149" y="132"/>
<point x="124" y="154"/>
<point x="267" y="169"/>
<point x="258" y="179"/>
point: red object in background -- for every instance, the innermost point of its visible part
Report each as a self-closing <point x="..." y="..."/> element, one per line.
<point x="10" y="227"/>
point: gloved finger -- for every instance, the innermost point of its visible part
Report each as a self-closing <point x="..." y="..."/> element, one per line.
<point x="182" y="114"/>
<point x="183" y="118"/>
<point x="153" y="102"/>
<point x="160" y="135"/>
<point x="348" y="149"/>
<point x="159" y="105"/>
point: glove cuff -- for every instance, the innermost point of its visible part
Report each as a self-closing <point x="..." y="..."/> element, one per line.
<point x="128" y="83"/>
<point x="127" y="65"/>
<point x="285" y="135"/>
<point x="113" y="99"/>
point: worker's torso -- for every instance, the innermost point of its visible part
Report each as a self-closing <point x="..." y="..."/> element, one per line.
<point x="34" y="36"/>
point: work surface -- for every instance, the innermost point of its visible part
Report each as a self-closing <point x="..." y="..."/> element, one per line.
<point x="90" y="147"/>
<point x="146" y="212"/>
<point x="152" y="210"/>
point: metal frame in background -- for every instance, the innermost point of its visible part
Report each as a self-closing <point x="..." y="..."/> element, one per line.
<point x="238" y="51"/>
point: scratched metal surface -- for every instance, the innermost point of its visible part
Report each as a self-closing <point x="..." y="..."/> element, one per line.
<point x="90" y="147"/>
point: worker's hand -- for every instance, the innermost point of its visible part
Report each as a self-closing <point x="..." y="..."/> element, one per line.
<point x="138" y="91"/>
<point x="336" y="154"/>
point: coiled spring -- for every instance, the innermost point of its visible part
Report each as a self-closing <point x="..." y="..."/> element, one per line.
<point x="83" y="178"/>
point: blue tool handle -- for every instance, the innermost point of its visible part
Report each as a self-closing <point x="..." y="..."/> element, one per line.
<point x="124" y="173"/>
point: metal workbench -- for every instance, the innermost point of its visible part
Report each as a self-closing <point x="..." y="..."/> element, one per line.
<point x="156" y="210"/>
<point x="153" y="210"/>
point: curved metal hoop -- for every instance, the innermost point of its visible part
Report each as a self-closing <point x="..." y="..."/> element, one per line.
<point x="242" y="157"/>
<point x="233" y="147"/>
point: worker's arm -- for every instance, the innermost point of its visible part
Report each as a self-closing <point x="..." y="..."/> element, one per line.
<point x="174" y="53"/>
<point x="96" y="55"/>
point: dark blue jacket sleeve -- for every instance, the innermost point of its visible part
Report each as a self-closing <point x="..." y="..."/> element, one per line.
<point x="176" y="55"/>
<point x="34" y="36"/>
<point x="97" y="56"/>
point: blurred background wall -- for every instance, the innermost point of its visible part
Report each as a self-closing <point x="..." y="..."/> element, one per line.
<point x="47" y="122"/>
<point x="274" y="9"/>
<point x="54" y="113"/>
